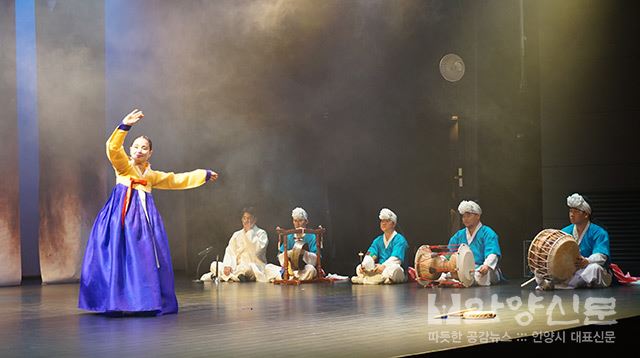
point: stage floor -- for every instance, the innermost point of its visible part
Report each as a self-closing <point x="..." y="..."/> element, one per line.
<point x="339" y="319"/>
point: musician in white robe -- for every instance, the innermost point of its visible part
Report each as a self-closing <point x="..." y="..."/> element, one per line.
<point x="245" y="255"/>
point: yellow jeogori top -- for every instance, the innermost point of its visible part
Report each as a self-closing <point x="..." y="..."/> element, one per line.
<point x="125" y="170"/>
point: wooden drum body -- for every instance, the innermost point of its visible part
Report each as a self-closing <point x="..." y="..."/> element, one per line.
<point x="430" y="265"/>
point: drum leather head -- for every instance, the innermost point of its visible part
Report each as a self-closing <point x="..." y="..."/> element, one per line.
<point x="562" y="259"/>
<point x="553" y="254"/>
<point x="466" y="265"/>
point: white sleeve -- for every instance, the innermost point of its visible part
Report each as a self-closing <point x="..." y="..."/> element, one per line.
<point x="599" y="259"/>
<point x="310" y="258"/>
<point x="367" y="263"/>
<point x="281" y="258"/>
<point x="230" y="253"/>
<point x="260" y="239"/>
<point x="491" y="261"/>
<point x="392" y="260"/>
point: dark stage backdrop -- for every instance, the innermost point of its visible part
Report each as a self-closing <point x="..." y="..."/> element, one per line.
<point x="589" y="117"/>
<point x="335" y="106"/>
<point x="10" y="262"/>
<point x="73" y="166"/>
<point x="508" y="125"/>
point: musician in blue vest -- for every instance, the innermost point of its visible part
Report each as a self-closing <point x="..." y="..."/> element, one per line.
<point x="385" y="259"/>
<point x="482" y="241"/>
<point x="593" y="242"/>
<point x="273" y="272"/>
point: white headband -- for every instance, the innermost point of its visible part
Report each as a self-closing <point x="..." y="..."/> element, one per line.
<point x="299" y="214"/>
<point x="469" y="207"/>
<point x="577" y="201"/>
<point x="386" y="214"/>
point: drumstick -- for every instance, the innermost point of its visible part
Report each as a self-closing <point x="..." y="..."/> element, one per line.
<point x="528" y="281"/>
<point x="479" y="315"/>
<point x="454" y="313"/>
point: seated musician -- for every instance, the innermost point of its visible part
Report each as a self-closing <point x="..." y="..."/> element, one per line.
<point x="309" y="272"/>
<point x="593" y="241"/>
<point x="482" y="241"/>
<point x="245" y="255"/>
<point x="385" y="259"/>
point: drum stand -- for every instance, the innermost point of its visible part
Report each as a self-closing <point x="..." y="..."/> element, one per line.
<point x="282" y="240"/>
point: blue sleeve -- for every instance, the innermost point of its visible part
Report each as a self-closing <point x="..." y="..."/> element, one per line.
<point x="600" y="242"/>
<point x="373" y="249"/>
<point x="491" y="245"/>
<point x="400" y="248"/>
<point x="289" y="240"/>
<point x="568" y="230"/>
<point x="455" y="240"/>
<point x="312" y="243"/>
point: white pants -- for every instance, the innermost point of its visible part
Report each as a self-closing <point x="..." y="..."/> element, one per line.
<point x="488" y="279"/>
<point x="593" y="276"/>
<point x="272" y="272"/>
<point x="250" y="272"/>
<point x="392" y="273"/>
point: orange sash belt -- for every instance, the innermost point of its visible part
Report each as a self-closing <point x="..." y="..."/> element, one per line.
<point x="127" y="197"/>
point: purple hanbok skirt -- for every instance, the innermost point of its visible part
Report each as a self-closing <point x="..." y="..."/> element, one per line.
<point x="128" y="268"/>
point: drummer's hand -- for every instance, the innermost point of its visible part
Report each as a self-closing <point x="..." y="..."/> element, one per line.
<point x="227" y="271"/>
<point x="581" y="262"/>
<point x="483" y="270"/>
<point x="379" y="268"/>
<point x="214" y="176"/>
<point x="360" y="269"/>
<point x="133" y="117"/>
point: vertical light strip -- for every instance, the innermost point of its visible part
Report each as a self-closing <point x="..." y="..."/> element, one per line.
<point x="110" y="21"/>
<point x="116" y="15"/>
<point x="28" y="148"/>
